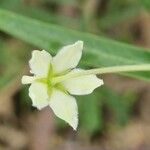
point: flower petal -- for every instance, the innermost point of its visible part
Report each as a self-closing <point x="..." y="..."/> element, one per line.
<point x="65" y="107"/>
<point x="27" y="79"/>
<point x="40" y="62"/>
<point x="68" y="57"/>
<point x="82" y="85"/>
<point x="38" y="94"/>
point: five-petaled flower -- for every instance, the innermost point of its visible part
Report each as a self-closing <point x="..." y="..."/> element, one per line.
<point x="45" y="92"/>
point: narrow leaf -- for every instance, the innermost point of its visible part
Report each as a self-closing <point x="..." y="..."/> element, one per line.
<point x="98" y="51"/>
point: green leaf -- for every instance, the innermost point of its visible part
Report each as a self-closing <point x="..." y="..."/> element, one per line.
<point x="91" y="109"/>
<point x="110" y="20"/>
<point x="119" y="104"/>
<point x="43" y="15"/>
<point x="10" y="3"/>
<point x="145" y="4"/>
<point x="98" y="51"/>
<point x="90" y="113"/>
<point x="64" y="2"/>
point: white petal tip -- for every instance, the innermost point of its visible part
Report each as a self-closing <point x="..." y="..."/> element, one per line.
<point x="75" y="128"/>
<point x="79" y="43"/>
<point x="27" y="79"/>
<point x="38" y="108"/>
<point x="39" y="62"/>
<point x="74" y="125"/>
<point x="38" y="95"/>
<point x="23" y="80"/>
<point x="44" y="51"/>
<point x="101" y="82"/>
<point x="34" y="52"/>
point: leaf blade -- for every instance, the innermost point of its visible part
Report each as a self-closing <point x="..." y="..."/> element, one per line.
<point x="97" y="50"/>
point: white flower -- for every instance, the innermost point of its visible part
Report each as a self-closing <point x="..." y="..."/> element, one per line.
<point x="44" y="92"/>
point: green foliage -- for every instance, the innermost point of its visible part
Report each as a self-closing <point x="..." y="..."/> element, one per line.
<point x="109" y="20"/>
<point x="122" y="12"/>
<point x="145" y="4"/>
<point x="64" y="2"/>
<point x="90" y="113"/>
<point x="97" y="49"/>
<point x="9" y="3"/>
<point x="98" y="52"/>
<point x="42" y="14"/>
<point x="119" y="105"/>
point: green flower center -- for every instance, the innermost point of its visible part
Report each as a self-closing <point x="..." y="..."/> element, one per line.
<point x="48" y="81"/>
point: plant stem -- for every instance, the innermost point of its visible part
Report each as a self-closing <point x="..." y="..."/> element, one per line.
<point x="115" y="69"/>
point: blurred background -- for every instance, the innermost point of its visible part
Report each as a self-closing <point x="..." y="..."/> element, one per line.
<point x="114" y="117"/>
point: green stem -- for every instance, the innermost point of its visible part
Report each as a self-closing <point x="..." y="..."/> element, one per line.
<point x="115" y="69"/>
